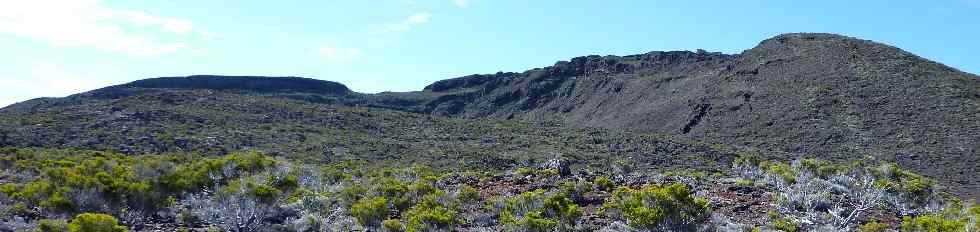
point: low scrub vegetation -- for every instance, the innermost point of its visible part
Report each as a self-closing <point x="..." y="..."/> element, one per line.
<point x="81" y="190"/>
<point x="537" y="210"/>
<point x="663" y="208"/>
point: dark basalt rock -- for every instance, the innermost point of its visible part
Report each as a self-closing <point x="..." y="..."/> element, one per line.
<point x="241" y="83"/>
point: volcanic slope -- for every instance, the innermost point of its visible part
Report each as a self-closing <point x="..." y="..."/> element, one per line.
<point x="280" y="119"/>
<point x="814" y="95"/>
<point x="811" y="95"/>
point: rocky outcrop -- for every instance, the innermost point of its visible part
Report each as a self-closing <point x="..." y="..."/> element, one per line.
<point x="235" y="83"/>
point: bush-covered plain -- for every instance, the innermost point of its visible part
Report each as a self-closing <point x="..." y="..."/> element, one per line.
<point x="83" y="190"/>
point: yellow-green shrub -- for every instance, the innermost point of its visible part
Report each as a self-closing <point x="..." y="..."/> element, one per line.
<point x="93" y="222"/>
<point x="604" y="183"/>
<point x="532" y="222"/>
<point x="873" y="226"/>
<point x="351" y="193"/>
<point x="954" y="218"/>
<point x="561" y="207"/>
<point x="467" y="194"/>
<point x="744" y="182"/>
<point x="905" y="181"/>
<point x="431" y="215"/>
<point x="780" y="169"/>
<point x="538" y="211"/>
<point x="785" y="225"/>
<point x="263" y="192"/>
<point x="392" y="225"/>
<point x="525" y="171"/>
<point x="931" y="223"/>
<point x="49" y="225"/>
<point x="654" y="206"/>
<point x="370" y="211"/>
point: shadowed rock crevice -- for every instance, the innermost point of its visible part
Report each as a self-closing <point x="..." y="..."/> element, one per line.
<point x="700" y="110"/>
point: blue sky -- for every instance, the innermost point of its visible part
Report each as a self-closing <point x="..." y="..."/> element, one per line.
<point x="56" y="48"/>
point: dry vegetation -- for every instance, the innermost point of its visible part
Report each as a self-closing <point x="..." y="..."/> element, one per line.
<point x="77" y="190"/>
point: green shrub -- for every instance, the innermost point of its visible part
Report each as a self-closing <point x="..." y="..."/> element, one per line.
<point x="58" y="201"/>
<point x="351" y="193"/>
<point x="904" y="181"/>
<point x="430" y="215"/>
<point x="873" y="226"/>
<point x="285" y="183"/>
<point x="8" y="189"/>
<point x="785" y="225"/>
<point x="742" y="182"/>
<point x="604" y="183"/>
<point x="822" y="168"/>
<point x="955" y="217"/>
<point x="263" y="192"/>
<point x="538" y="211"/>
<point x="467" y="194"/>
<point x="748" y="159"/>
<point x="780" y="169"/>
<point x="931" y="223"/>
<point x="575" y="189"/>
<point x="533" y="222"/>
<point x="652" y="206"/>
<point x="146" y="182"/>
<point x="392" y="225"/>
<point x="370" y="211"/>
<point x="561" y="207"/>
<point x="547" y="172"/>
<point x="49" y="225"/>
<point x="93" y="222"/>
<point x="525" y="171"/>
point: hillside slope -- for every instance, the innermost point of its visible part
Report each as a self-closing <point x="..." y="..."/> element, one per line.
<point x="817" y="95"/>
<point x="812" y="95"/>
<point x="217" y="122"/>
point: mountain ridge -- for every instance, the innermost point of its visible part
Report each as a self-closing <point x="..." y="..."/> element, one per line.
<point x="806" y="94"/>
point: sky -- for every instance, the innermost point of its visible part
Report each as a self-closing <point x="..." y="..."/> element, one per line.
<point x="54" y="48"/>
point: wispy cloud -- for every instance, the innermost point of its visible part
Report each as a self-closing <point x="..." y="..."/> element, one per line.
<point x="407" y="23"/>
<point x="338" y="54"/>
<point x="462" y="3"/>
<point x="88" y="23"/>
<point x="46" y="79"/>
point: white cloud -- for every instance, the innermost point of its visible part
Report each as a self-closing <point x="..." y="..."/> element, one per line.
<point x="88" y="23"/>
<point x="210" y="34"/>
<point x="368" y="83"/>
<point x="408" y="23"/>
<point x="461" y="3"/>
<point x="46" y="79"/>
<point x="338" y="54"/>
<point x="140" y="18"/>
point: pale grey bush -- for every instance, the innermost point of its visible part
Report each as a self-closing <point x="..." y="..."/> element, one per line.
<point x="831" y="204"/>
<point x="721" y="223"/>
<point x="232" y="211"/>
<point x="618" y="226"/>
<point x="859" y="195"/>
<point x="88" y="200"/>
<point x="16" y="223"/>
<point x="6" y="207"/>
<point x="804" y="198"/>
